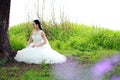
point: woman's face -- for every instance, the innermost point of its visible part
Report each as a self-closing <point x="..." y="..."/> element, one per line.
<point x="35" y="25"/>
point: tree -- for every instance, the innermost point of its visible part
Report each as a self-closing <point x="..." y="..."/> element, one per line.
<point x="5" y="48"/>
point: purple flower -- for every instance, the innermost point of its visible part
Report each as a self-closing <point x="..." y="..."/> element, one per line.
<point x="115" y="78"/>
<point x="102" y="67"/>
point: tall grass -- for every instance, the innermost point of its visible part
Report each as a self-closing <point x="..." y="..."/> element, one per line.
<point x="79" y="37"/>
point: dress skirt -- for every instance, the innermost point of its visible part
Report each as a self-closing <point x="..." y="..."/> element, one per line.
<point x="39" y="55"/>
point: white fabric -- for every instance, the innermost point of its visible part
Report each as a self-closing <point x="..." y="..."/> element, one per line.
<point x="39" y="55"/>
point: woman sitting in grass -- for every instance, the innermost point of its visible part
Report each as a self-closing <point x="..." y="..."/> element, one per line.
<point x="38" y="49"/>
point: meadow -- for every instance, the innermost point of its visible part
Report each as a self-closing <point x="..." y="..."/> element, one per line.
<point x="86" y="44"/>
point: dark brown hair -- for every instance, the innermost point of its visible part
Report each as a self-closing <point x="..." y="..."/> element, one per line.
<point x="39" y="24"/>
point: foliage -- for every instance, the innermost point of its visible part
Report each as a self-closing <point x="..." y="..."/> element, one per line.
<point x="19" y="35"/>
<point x="88" y="44"/>
<point x="80" y="37"/>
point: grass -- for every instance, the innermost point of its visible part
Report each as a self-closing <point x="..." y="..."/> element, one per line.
<point x="87" y="44"/>
<point x="21" y="71"/>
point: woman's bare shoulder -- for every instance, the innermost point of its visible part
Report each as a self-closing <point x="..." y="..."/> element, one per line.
<point x="42" y="32"/>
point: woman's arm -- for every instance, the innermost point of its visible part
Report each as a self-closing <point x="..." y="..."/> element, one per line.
<point x="44" y="39"/>
<point x="30" y="40"/>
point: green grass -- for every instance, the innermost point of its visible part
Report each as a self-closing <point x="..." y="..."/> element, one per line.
<point x="79" y="37"/>
<point x="41" y="72"/>
<point x="88" y="44"/>
<point x="38" y="74"/>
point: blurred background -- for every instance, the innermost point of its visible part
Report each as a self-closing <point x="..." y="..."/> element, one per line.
<point x="101" y="13"/>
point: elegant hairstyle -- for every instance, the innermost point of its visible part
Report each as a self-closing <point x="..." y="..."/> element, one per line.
<point x="39" y="24"/>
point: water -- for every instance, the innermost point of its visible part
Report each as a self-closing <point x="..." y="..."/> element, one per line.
<point x="91" y="12"/>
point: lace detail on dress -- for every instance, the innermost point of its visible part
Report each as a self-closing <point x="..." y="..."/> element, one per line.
<point x="37" y="38"/>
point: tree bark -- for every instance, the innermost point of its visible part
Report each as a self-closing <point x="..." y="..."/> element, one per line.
<point x="5" y="48"/>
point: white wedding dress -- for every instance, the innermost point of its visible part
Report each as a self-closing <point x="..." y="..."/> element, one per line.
<point x="39" y="55"/>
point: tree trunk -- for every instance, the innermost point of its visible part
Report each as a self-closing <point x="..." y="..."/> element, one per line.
<point x="5" y="48"/>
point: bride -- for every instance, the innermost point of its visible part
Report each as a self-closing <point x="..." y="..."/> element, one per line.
<point x="38" y="49"/>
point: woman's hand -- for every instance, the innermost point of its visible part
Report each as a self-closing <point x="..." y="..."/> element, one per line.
<point x="33" y="46"/>
<point x="38" y="45"/>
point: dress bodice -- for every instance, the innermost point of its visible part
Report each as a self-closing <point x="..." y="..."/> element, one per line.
<point x="37" y="38"/>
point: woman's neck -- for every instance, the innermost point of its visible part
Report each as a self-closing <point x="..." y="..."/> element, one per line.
<point x="37" y="29"/>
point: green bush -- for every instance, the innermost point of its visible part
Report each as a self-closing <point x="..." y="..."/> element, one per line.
<point x="19" y="35"/>
<point x="79" y="37"/>
<point x="18" y="41"/>
<point x="107" y="39"/>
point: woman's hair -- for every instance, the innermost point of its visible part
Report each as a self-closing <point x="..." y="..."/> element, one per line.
<point x="39" y="24"/>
